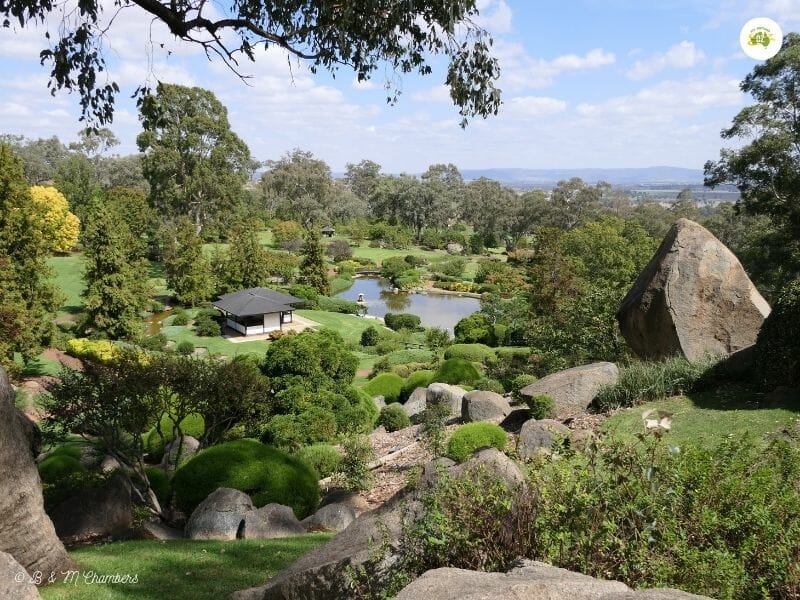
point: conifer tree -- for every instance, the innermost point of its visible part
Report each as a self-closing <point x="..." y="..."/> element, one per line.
<point x="187" y="269"/>
<point x="312" y="267"/>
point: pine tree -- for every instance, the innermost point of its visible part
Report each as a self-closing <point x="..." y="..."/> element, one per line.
<point x="188" y="270"/>
<point x="247" y="264"/>
<point x="312" y="269"/>
<point x="27" y="298"/>
<point x="117" y="287"/>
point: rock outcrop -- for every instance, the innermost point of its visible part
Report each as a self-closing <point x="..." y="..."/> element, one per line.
<point x="693" y="298"/>
<point x="331" y="517"/>
<point x="271" y="521"/>
<point x="179" y="451"/>
<point x="15" y="582"/>
<point x="573" y="389"/>
<point x="484" y="406"/>
<point x="26" y="532"/>
<point x="539" y="436"/>
<point x="220" y="516"/>
<point x="449" y="394"/>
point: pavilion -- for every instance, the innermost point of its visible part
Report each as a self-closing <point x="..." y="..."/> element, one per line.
<point x="258" y="310"/>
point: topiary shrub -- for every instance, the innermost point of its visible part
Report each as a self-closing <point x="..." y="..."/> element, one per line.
<point x="490" y="385"/>
<point x="415" y="380"/>
<point x="185" y="347"/>
<point x="387" y="385"/>
<point x="394" y="418"/>
<point x="777" y="349"/>
<point x="60" y="466"/>
<point x="471" y="352"/>
<point x="541" y="406"/>
<point x="323" y="458"/>
<point x="455" y="371"/>
<point x="338" y="305"/>
<point x="370" y="336"/>
<point x="471" y="436"/>
<point x="159" y="484"/>
<point x="520" y="381"/>
<point x="180" y="320"/>
<point x="154" y="343"/>
<point x="398" y="321"/>
<point x="192" y="425"/>
<point x="403" y="357"/>
<point x="206" y="327"/>
<point x="265" y="473"/>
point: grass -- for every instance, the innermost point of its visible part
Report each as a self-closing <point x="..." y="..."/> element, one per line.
<point x="705" y="419"/>
<point x="180" y="569"/>
<point x="214" y="345"/>
<point x="68" y="278"/>
<point x="381" y="254"/>
<point x="348" y="326"/>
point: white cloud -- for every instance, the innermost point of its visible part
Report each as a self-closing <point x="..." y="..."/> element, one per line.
<point x="680" y="56"/>
<point x="519" y="70"/>
<point x="440" y="93"/>
<point x="529" y="107"/>
<point x="367" y="84"/>
<point x="494" y="15"/>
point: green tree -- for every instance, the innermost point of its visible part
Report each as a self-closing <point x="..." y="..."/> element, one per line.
<point x="362" y="178"/>
<point x="575" y="202"/>
<point x="27" y="298"/>
<point x="117" y="286"/>
<point x="195" y="165"/>
<point x="40" y="158"/>
<point x="313" y="271"/>
<point x="187" y="269"/>
<point x="132" y="206"/>
<point x="246" y="264"/>
<point x="300" y="187"/>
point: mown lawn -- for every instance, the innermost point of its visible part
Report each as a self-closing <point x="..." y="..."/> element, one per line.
<point x="68" y="278"/>
<point x="180" y="569"/>
<point x="706" y="419"/>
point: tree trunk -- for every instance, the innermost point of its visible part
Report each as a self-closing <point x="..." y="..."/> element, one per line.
<point x="26" y="532"/>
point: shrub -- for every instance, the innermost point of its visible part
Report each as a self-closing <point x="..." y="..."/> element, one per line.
<point x="490" y="385"/>
<point x="339" y="250"/>
<point x="647" y="381"/>
<point x="455" y="371"/>
<point x="777" y="350"/>
<point x="155" y="343"/>
<point x="520" y="381"/>
<point x="307" y="293"/>
<point x="60" y="466"/>
<point x="415" y="380"/>
<point x="180" y="320"/>
<point x="206" y="327"/>
<point x="397" y="321"/>
<point x="370" y="336"/>
<point x="473" y="329"/>
<point x="393" y="267"/>
<point x="452" y="267"/>
<point x="185" y="347"/>
<point x="338" y="305"/>
<point x="403" y="357"/>
<point x="354" y="471"/>
<point x="192" y="425"/>
<point x="266" y="474"/>
<point x="292" y="430"/>
<point x="471" y="352"/>
<point x="71" y="449"/>
<point x="436" y="337"/>
<point x="471" y="436"/>
<point x="387" y="385"/>
<point x="541" y="406"/>
<point x="98" y="350"/>
<point x="394" y="418"/>
<point x="407" y="280"/>
<point x="67" y="485"/>
<point x="323" y="458"/>
<point x="416" y="261"/>
<point x="159" y="484"/>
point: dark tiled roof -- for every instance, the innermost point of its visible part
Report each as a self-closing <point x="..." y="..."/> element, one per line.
<point x="256" y="301"/>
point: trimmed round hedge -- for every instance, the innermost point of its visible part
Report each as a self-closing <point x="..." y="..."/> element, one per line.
<point x="159" y="484"/>
<point x="192" y="425"/>
<point x="455" y="371"/>
<point x="471" y="436"/>
<point x="388" y="385"/>
<point x="57" y="467"/>
<point x="265" y="473"/>
<point x="394" y="418"/>
<point x="472" y="352"/>
<point x="417" y="379"/>
<point x="323" y="458"/>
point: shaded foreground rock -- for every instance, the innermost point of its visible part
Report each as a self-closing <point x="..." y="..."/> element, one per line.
<point x="484" y="406"/>
<point x="539" y="436"/>
<point x="573" y="389"/>
<point x="532" y="580"/>
<point x="270" y="521"/>
<point x="26" y="532"/>
<point x="219" y="516"/>
<point x="10" y="586"/>
<point x="416" y="404"/>
<point x="693" y="298"/>
<point x="331" y="517"/>
<point x="449" y="394"/>
<point x="95" y="513"/>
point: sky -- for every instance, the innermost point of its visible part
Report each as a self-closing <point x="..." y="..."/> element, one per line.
<point x="585" y="83"/>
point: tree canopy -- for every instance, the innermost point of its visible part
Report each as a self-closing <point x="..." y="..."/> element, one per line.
<point x="326" y="34"/>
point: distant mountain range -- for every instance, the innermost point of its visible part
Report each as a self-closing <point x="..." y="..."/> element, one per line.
<point x="623" y="177"/>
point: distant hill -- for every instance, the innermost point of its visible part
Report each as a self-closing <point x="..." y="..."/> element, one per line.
<point x="623" y="177"/>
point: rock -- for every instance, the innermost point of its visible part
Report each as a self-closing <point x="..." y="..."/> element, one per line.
<point x="455" y="248"/>
<point x="573" y="389"/>
<point x="379" y="401"/>
<point x="109" y="464"/>
<point x="11" y="588"/>
<point x="539" y="436"/>
<point x="693" y="298"/>
<point x="531" y="580"/>
<point x="352" y="499"/>
<point x="432" y="469"/>
<point x="220" y="516"/>
<point x="443" y="392"/>
<point x="156" y="530"/>
<point x="493" y="462"/>
<point x="26" y="532"/>
<point x="271" y="521"/>
<point x="31" y="431"/>
<point x="178" y="451"/>
<point x="515" y="419"/>
<point x="331" y="517"/>
<point x="95" y="513"/>
<point x="484" y="406"/>
<point x="416" y="404"/>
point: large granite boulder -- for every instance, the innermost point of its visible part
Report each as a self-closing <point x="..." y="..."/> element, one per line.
<point x="416" y="404"/>
<point x="95" y="513"/>
<point x="179" y="451"/>
<point x="26" y="532"/>
<point x="331" y="517"/>
<point x="531" y="580"/>
<point x="693" y="298"/>
<point x="352" y="499"/>
<point x="494" y="463"/>
<point x="271" y="521"/>
<point x="480" y="405"/>
<point x="220" y="516"/>
<point x="539" y="436"/>
<point x="449" y="394"/>
<point x="15" y="582"/>
<point x="573" y="389"/>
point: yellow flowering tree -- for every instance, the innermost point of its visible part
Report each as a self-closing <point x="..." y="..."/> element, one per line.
<point x="56" y="222"/>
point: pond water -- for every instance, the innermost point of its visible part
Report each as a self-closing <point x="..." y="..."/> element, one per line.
<point x="434" y="310"/>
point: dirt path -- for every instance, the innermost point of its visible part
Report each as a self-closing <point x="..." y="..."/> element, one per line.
<point x="33" y="386"/>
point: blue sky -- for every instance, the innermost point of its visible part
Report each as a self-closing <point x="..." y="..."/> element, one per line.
<point x="586" y="83"/>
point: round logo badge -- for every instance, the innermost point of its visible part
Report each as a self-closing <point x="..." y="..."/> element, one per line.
<point x="761" y="38"/>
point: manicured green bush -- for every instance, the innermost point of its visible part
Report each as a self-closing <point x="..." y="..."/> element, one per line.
<point x="541" y="406"/>
<point x="387" y="385"/>
<point x="520" y="381"/>
<point x="192" y="425"/>
<point x="206" y="327"/>
<point x="416" y="261"/>
<point x="393" y="267"/>
<point x="370" y="336"/>
<point x="394" y="418"/>
<point x="471" y="436"/>
<point x="323" y="458"/>
<point x="398" y="321"/>
<point x="307" y="293"/>
<point x="185" y="347"/>
<point x="455" y="371"/>
<point x="403" y="357"/>
<point x="181" y="319"/>
<point x="160" y="484"/>
<point x="71" y="449"/>
<point x="472" y="352"/>
<point x="512" y="352"/>
<point x="490" y="385"/>
<point x="453" y="267"/>
<point x="406" y="370"/>
<point x="415" y="380"/>
<point x="338" y="305"/>
<point x="53" y="468"/>
<point x="265" y="473"/>
<point x="155" y="343"/>
<point x="777" y="350"/>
